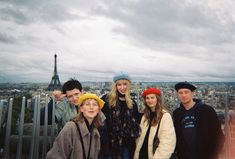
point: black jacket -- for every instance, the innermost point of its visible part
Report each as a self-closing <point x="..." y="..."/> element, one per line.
<point x="108" y="133"/>
<point x="210" y="137"/>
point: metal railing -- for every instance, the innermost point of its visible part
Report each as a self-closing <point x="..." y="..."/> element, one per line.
<point x="38" y="144"/>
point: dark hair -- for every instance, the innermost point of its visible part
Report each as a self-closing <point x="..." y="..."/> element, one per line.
<point x="158" y="110"/>
<point x="71" y="84"/>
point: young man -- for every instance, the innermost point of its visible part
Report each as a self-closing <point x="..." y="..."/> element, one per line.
<point x="198" y="131"/>
<point x="65" y="107"/>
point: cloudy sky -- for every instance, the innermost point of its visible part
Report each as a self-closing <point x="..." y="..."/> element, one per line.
<point x="153" y="40"/>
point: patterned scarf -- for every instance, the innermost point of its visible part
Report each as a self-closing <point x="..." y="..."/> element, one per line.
<point x="124" y="127"/>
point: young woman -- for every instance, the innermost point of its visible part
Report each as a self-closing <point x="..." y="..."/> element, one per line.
<point x="80" y="138"/>
<point x="122" y="120"/>
<point x="157" y="139"/>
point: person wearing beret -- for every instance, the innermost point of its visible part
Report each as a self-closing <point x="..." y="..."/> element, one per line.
<point x="198" y="130"/>
<point x="80" y="137"/>
<point x="122" y="120"/>
<point x="156" y="124"/>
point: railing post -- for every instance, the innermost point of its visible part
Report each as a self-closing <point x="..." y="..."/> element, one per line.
<point x="53" y="122"/>
<point x="45" y="129"/>
<point x="163" y="97"/>
<point x="175" y="98"/>
<point x="36" y="154"/>
<point x="226" y="127"/>
<point x="1" y="107"/>
<point x="8" y="130"/>
<point x="21" y="129"/>
<point x="32" y="147"/>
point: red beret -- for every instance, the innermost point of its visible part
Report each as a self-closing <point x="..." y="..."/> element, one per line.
<point x="151" y="91"/>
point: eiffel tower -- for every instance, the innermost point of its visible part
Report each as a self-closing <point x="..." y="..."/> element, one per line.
<point x="55" y="81"/>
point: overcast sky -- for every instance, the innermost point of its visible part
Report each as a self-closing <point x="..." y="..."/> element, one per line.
<point x="152" y="40"/>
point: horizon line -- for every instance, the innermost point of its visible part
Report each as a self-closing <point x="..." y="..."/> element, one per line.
<point x="131" y="81"/>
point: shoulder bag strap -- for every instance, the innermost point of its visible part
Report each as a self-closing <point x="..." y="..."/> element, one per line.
<point x="156" y="140"/>
<point x="158" y="126"/>
<point x="80" y="134"/>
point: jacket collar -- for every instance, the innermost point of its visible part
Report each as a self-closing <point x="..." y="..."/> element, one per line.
<point x="198" y="102"/>
<point x="84" y="130"/>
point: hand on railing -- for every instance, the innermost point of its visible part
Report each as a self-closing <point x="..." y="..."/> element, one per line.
<point x="58" y="95"/>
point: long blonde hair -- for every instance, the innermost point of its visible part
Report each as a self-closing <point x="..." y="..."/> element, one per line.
<point x="158" y="110"/>
<point x="113" y="95"/>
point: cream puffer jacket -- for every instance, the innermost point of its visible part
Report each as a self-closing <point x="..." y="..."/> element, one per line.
<point x="166" y="136"/>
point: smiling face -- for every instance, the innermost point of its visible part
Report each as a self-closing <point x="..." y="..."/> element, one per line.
<point x="73" y="95"/>
<point x="185" y="96"/>
<point x="151" y="101"/>
<point x="122" y="86"/>
<point x="90" y="109"/>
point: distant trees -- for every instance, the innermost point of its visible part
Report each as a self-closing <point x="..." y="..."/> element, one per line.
<point x="17" y="104"/>
<point x="86" y="88"/>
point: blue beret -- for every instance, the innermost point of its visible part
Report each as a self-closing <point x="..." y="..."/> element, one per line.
<point x="121" y="75"/>
<point x="186" y="85"/>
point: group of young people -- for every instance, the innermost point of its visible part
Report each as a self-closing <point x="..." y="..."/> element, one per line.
<point x="111" y="127"/>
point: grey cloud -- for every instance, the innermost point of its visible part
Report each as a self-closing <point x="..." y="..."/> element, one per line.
<point x="197" y="40"/>
<point x="26" y="12"/>
<point x="14" y="14"/>
<point x="5" y="38"/>
<point x="155" y="24"/>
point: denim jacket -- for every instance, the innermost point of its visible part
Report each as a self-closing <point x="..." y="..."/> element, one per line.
<point x="64" y="111"/>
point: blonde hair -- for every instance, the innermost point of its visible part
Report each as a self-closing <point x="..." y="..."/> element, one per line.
<point x="158" y="110"/>
<point x="113" y="95"/>
<point x="97" y="121"/>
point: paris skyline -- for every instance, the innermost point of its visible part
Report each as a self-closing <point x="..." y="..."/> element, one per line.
<point x="170" y="40"/>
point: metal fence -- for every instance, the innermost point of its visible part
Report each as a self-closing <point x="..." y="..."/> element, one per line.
<point x="27" y="145"/>
<point x="35" y="143"/>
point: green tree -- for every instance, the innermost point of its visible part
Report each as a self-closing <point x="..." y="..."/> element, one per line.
<point x="17" y="104"/>
<point x="86" y="88"/>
